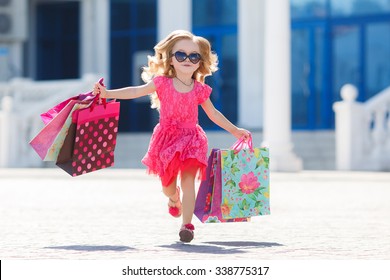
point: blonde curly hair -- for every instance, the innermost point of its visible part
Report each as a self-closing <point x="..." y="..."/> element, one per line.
<point x="160" y="63"/>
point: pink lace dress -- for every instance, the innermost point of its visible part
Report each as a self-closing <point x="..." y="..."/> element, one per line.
<point x="178" y="143"/>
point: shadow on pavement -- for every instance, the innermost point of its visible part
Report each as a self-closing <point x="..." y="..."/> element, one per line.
<point x="245" y="244"/>
<point x="219" y="248"/>
<point x="91" y="248"/>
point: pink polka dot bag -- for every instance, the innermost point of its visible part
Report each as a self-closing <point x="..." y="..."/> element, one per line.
<point x="91" y="139"/>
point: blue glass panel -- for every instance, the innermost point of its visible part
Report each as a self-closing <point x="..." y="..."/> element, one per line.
<point x="58" y="40"/>
<point x="216" y="12"/>
<point x="308" y="8"/>
<point x="133" y="29"/>
<point x="146" y="13"/>
<point x="120" y="15"/>
<point x="217" y="21"/>
<point x="346" y="66"/>
<point x="359" y="7"/>
<point x="320" y="101"/>
<point x="120" y="61"/>
<point x="377" y="58"/>
<point x="127" y="14"/>
<point x="308" y="71"/>
<point x="229" y="76"/>
<point x="300" y="87"/>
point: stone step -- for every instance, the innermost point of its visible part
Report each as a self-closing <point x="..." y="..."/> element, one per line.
<point x="316" y="148"/>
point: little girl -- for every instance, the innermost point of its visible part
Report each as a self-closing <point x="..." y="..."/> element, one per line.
<point x="178" y="147"/>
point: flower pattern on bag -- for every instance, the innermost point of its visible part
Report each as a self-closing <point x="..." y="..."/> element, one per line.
<point x="249" y="183"/>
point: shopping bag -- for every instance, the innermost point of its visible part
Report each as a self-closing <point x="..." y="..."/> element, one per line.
<point x="245" y="180"/>
<point x="54" y="149"/>
<point x="42" y="142"/>
<point x="208" y="200"/>
<point x="91" y="139"/>
<point x="54" y="120"/>
<point x="85" y="98"/>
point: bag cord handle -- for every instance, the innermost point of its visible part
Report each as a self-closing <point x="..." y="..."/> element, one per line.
<point x="243" y="144"/>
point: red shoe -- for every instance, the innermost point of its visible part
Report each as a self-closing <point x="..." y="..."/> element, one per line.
<point x="174" y="206"/>
<point x="187" y="233"/>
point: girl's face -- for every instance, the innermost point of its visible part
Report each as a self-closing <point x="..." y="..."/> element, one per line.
<point x="189" y="48"/>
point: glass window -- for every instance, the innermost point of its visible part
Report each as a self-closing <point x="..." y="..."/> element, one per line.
<point x="359" y="7"/>
<point x="120" y="15"/>
<point x="217" y="21"/>
<point x="300" y="61"/>
<point x="133" y="32"/>
<point x="346" y="69"/>
<point x="127" y="14"/>
<point x="146" y="11"/>
<point x="216" y="12"/>
<point x="377" y="58"/>
<point x="229" y="76"/>
<point x="58" y="41"/>
<point x="308" y="8"/>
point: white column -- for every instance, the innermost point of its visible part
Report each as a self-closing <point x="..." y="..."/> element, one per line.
<point x="351" y="129"/>
<point x="87" y="37"/>
<point x="277" y="87"/>
<point x="250" y="63"/>
<point x="6" y="129"/>
<point x="173" y="15"/>
<point x="95" y="37"/>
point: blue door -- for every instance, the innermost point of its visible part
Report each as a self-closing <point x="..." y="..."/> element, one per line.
<point x="309" y="76"/>
<point x="217" y="22"/>
<point x="133" y="35"/>
<point x="58" y="44"/>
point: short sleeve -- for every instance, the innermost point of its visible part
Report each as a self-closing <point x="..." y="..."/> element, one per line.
<point x="204" y="93"/>
<point x="158" y="82"/>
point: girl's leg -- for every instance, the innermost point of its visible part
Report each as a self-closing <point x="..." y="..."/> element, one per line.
<point x="188" y="188"/>
<point x="174" y="203"/>
<point x="170" y="190"/>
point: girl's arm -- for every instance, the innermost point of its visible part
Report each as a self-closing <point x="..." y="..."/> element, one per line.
<point x="126" y="92"/>
<point x="219" y="119"/>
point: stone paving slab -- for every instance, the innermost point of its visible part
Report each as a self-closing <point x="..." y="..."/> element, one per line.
<point x="117" y="214"/>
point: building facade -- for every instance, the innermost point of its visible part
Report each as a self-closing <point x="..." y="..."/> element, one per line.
<point x="332" y="43"/>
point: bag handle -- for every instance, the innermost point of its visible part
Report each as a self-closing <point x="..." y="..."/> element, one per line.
<point x="243" y="144"/>
<point x="97" y="99"/>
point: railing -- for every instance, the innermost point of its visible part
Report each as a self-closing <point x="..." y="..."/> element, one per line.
<point x="363" y="131"/>
<point x="21" y="103"/>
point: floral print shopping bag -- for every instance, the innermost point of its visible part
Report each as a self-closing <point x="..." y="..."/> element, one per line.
<point x="208" y="200"/>
<point x="245" y="180"/>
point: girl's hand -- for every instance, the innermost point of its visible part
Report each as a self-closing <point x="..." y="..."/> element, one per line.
<point x="242" y="133"/>
<point x="99" y="89"/>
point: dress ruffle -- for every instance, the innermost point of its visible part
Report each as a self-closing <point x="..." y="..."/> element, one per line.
<point x="174" y="150"/>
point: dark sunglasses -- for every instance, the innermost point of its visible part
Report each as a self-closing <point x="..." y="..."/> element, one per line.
<point x="181" y="56"/>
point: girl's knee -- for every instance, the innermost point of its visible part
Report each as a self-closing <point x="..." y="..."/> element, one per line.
<point x="169" y="190"/>
<point x="187" y="179"/>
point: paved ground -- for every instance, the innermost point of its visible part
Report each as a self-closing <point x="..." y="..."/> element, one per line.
<point x="121" y="214"/>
